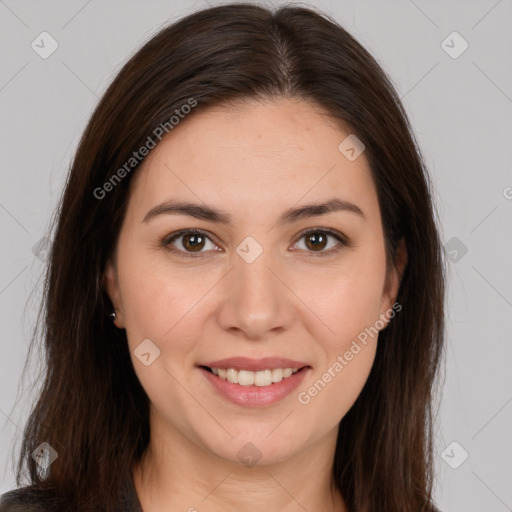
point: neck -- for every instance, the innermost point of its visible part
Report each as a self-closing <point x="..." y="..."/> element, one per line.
<point x="176" y="474"/>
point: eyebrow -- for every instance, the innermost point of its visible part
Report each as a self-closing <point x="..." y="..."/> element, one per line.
<point x="207" y="213"/>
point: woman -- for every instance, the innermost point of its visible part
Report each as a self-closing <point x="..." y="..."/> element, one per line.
<point x="245" y="293"/>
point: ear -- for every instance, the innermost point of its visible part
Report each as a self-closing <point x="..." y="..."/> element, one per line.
<point x="394" y="277"/>
<point x="111" y="284"/>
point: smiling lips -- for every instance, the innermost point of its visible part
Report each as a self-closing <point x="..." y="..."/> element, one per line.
<point x="254" y="382"/>
<point x="254" y="365"/>
<point x="248" y="378"/>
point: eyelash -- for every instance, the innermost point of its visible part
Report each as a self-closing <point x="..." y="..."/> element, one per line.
<point x="167" y="241"/>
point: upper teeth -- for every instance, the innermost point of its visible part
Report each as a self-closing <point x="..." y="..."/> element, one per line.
<point x="248" y="378"/>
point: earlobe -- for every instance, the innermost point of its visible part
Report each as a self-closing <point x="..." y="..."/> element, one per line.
<point x="394" y="277"/>
<point x="110" y="282"/>
<point x="401" y="260"/>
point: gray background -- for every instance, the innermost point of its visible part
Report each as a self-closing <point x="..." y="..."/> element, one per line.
<point x="460" y="109"/>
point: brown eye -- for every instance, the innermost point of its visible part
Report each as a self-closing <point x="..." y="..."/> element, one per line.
<point x="192" y="242"/>
<point x="322" y="242"/>
<point x="316" y="241"/>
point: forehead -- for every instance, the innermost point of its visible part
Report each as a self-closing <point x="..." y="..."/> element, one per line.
<point x="276" y="151"/>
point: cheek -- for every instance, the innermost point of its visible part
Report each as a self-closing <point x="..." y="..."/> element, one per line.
<point x="348" y="303"/>
<point x="155" y="297"/>
<point x="330" y="394"/>
<point x="346" y="298"/>
<point x="158" y="305"/>
<point x="347" y="349"/>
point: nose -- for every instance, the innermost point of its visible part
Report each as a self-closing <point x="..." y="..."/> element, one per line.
<point x="257" y="303"/>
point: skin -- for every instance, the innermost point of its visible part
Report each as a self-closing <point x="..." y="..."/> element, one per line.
<point x="253" y="160"/>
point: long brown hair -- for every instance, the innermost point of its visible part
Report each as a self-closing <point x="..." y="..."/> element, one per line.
<point x="92" y="409"/>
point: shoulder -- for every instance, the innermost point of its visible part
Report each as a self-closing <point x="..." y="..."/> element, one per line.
<point x="26" y="499"/>
<point x="37" y="499"/>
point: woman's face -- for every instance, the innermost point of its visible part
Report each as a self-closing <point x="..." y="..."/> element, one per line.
<point x="251" y="284"/>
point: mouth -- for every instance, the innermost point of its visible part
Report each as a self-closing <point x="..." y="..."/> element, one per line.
<point x="252" y="383"/>
<point x="261" y="378"/>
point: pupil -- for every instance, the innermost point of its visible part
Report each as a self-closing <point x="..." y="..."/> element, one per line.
<point x="193" y="245"/>
<point x="319" y="240"/>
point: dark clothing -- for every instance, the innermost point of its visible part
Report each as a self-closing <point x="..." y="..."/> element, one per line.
<point x="29" y="499"/>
